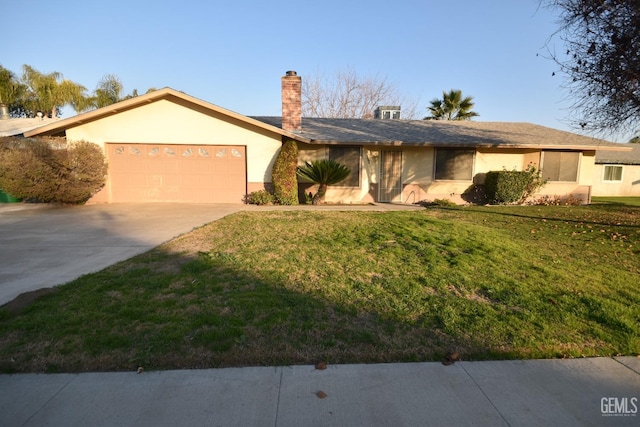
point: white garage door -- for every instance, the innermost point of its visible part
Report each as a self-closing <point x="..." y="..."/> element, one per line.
<point x="177" y="173"/>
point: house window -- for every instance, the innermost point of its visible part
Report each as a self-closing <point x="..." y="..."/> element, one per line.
<point x="560" y="165"/>
<point x="350" y="157"/>
<point x="454" y="164"/>
<point x="612" y="173"/>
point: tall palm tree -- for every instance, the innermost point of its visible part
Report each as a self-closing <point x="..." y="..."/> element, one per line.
<point x="10" y="90"/>
<point x="109" y="91"/>
<point x="323" y="172"/>
<point x="49" y="92"/>
<point x="452" y="106"/>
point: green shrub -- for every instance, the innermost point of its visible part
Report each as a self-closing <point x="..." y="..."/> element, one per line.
<point x="324" y="172"/>
<point x="283" y="176"/>
<point x="261" y="197"/>
<point x="503" y="187"/>
<point x="51" y="170"/>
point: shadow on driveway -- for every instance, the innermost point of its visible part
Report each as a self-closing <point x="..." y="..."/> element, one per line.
<point x="43" y="246"/>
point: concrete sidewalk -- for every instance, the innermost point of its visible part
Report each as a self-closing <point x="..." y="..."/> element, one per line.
<point x="575" y="392"/>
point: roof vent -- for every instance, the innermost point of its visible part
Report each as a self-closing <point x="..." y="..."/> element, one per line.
<point x="387" y="112"/>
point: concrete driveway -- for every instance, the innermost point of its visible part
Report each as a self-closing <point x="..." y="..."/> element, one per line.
<point x="42" y="246"/>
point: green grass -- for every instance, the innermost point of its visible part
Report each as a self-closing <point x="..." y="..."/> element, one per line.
<point x="624" y="201"/>
<point x="277" y="288"/>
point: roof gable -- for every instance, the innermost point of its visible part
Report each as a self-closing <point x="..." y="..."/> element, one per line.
<point x="59" y="127"/>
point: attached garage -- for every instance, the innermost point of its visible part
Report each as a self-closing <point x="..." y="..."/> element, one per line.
<point x="167" y="146"/>
<point x="177" y="173"/>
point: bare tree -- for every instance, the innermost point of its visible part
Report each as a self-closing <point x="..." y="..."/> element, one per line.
<point x="601" y="61"/>
<point x="346" y="94"/>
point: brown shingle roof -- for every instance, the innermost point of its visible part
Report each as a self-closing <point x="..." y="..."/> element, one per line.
<point x="620" y="157"/>
<point x="442" y="133"/>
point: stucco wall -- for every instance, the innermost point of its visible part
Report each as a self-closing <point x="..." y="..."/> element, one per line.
<point x="580" y="189"/>
<point x="629" y="187"/>
<point x="418" y="174"/>
<point x="166" y="122"/>
<point x="336" y="193"/>
<point x="495" y="160"/>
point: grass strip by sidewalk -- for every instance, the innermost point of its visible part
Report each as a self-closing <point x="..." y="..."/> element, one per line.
<point x="279" y="288"/>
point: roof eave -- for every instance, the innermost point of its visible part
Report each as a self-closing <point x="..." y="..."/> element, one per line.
<point x="395" y="143"/>
<point x="165" y="93"/>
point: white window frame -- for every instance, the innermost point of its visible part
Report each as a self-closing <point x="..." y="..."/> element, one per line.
<point x="612" y="181"/>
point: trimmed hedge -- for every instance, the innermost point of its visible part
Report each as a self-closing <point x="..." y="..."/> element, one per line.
<point x="283" y="176"/>
<point x="504" y="187"/>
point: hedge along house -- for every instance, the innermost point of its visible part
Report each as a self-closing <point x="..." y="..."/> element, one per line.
<point x="404" y="161"/>
<point x="167" y="146"/>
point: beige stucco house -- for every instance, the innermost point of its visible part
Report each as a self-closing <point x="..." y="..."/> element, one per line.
<point x="169" y="146"/>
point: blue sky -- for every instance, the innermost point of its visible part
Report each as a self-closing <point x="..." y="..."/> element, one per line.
<point x="233" y="53"/>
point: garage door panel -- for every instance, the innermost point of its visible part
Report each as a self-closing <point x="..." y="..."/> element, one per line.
<point x="187" y="173"/>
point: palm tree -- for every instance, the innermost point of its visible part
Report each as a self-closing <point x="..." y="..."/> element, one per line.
<point x="323" y="172"/>
<point x="48" y="92"/>
<point x="109" y="91"/>
<point x="10" y="90"/>
<point x="452" y="106"/>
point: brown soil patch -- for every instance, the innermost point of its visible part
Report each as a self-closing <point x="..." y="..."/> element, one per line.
<point x="25" y="299"/>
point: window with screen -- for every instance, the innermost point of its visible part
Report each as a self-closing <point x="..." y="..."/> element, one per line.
<point x="454" y="164"/>
<point x="612" y="173"/>
<point x="350" y="157"/>
<point x="560" y="165"/>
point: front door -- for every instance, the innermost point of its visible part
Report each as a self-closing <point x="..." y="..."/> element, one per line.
<point x="390" y="176"/>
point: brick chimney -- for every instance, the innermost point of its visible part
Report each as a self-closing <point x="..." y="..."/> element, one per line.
<point x="292" y="102"/>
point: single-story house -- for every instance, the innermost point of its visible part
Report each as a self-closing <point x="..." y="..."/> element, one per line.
<point x="617" y="173"/>
<point x="169" y="146"/>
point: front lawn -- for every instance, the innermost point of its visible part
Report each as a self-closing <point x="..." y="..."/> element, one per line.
<point x="279" y="288"/>
<point x="622" y="201"/>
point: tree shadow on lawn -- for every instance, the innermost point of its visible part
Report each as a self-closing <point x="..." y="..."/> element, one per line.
<point x="174" y="308"/>
<point x="627" y="216"/>
<point x="162" y="310"/>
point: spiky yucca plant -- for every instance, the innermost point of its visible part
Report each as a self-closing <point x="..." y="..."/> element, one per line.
<point x="323" y="172"/>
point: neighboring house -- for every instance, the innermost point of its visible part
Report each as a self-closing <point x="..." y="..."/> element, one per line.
<point x="617" y="173"/>
<point x="17" y="127"/>
<point x="169" y="146"/>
